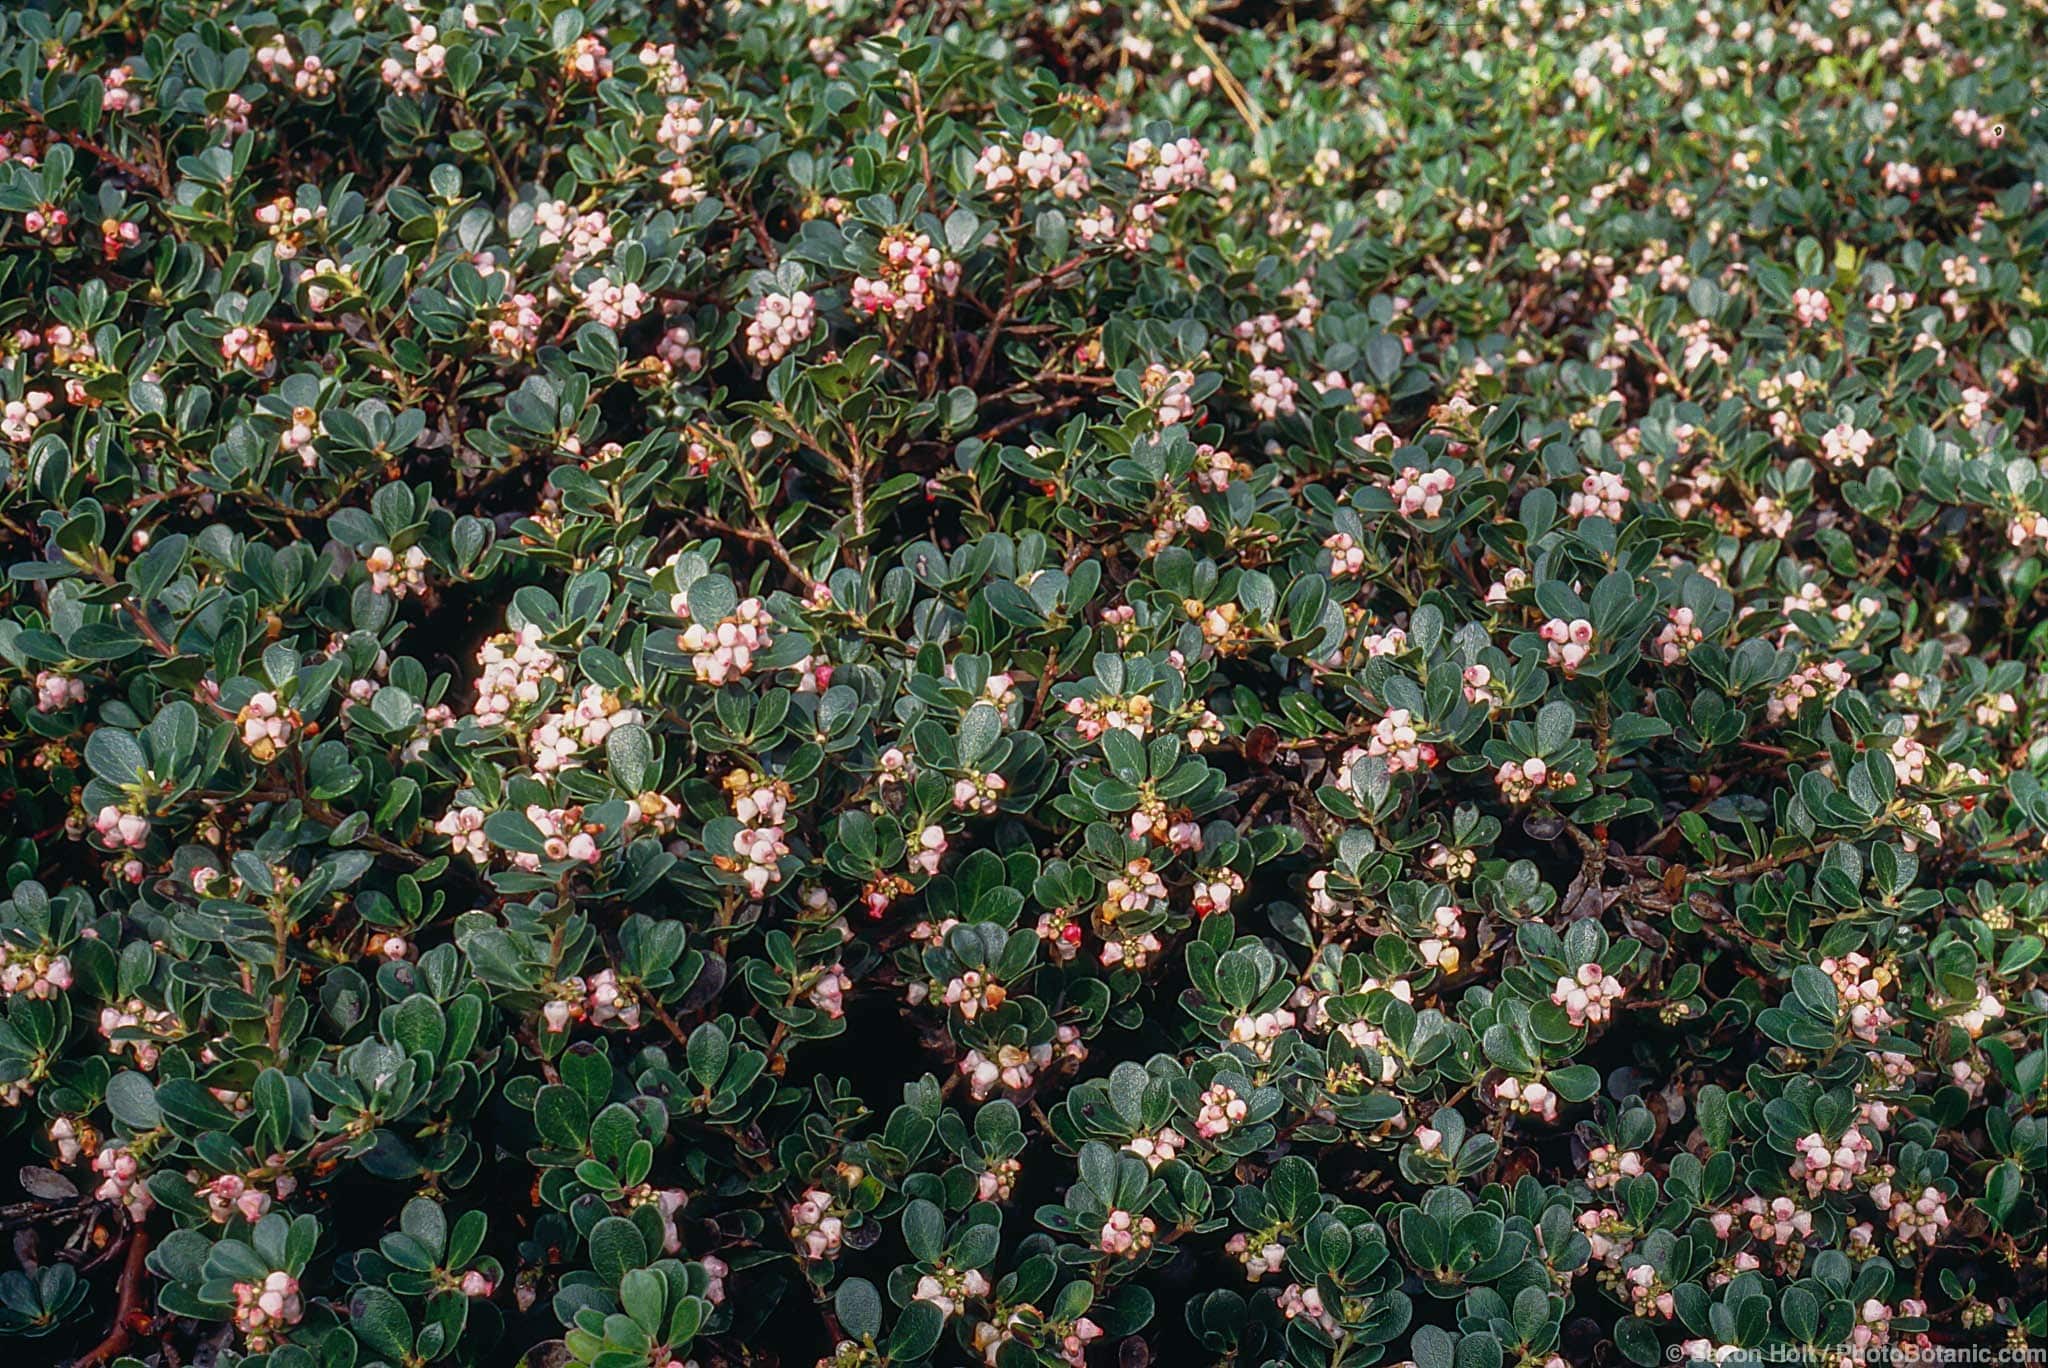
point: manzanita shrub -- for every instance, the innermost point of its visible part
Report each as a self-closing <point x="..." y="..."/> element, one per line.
<point x="1023" y="684"/>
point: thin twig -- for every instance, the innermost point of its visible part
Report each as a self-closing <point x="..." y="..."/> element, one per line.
<point x="1238" y="96"/>
<point x="148" y="175"/>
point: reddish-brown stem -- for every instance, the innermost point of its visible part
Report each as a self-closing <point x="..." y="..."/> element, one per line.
<point x="129" y="1317"/>
<point x="148" y="175"/>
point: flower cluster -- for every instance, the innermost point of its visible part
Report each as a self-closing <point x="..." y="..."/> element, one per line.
<point x="267" y="1308"/>
<point x="1588" y="995"/>
<point x="1419" y="493"/>
<point x="781" y="323"/>
<point x="1041" y="162"/>
<point x="1568" y="643"/>
<point x="725" y="650"/>
<point x="1126" y="1235"/>
<point x="1831" y="1166"/>
<point x="910" y="276"/>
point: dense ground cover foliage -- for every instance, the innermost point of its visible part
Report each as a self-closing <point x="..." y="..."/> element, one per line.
<point x="1022" y="684"/>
